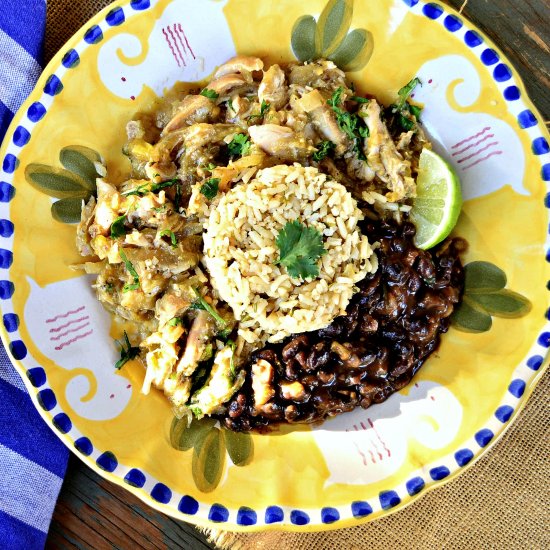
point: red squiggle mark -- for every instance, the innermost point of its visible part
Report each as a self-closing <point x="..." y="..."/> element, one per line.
<point x="69" y="331"/>
<point x="371" y="424"/>
<point x="483" y="159"/>
<point x="79" y="337"/>
<point x="180" y="39"/>
<point x="373" y="459"/>
<point x="362" y="454"/>
<point x="171" y="47"/>
<point x="488" y="136"/>
<point x="186" y="41"/>
<point x="177" y="45"/>
<point x="479" y="134"/>
<point x="64" y="315"/>
<point x="483" y="149"/>
<point x="61" y="327"/>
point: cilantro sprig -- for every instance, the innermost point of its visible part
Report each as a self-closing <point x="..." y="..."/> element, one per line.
<point x="210" y="188"/>
<point x="201" y="303"/>
<point x="210" y="94"/>
<point x="323" y="149"/>
<point x="350" y="123"/>
<point x="171" y="235"/>
<point x="149" y="187"/>
<point x="400" y="114"/>
<point x="264" y="107"/>
<point x="127" y="352"/>
<point x="239" y="146"/>
<point x="117" y="227"/>
<point x="300" y="248"/>
<point x="131" y="270"/>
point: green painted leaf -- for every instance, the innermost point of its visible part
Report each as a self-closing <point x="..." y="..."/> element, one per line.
<point x="504" y="303"/>
<point x="67" y="210"/>
<point x="240" y="447"/>
<point x="483" y="277"/>
<point x="334" y="23"/>
<point x="183" y="437"/>
<point x="209" y="461"/>
<point x="468" y="319"/>
<point x="56" y="182"/>
<point x="80" y="160"/>
<point x="355" y="51"/>
<point x="303" y="38"/>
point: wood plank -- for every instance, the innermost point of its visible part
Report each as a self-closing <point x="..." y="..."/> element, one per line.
<point x="521" y="29"/>
<point x="95" y="513"/>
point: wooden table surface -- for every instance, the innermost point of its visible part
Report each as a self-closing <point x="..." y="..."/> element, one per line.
<point x="94" y="513"/>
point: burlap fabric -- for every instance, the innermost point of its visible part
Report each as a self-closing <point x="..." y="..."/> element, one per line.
<point x="502" y="501"/>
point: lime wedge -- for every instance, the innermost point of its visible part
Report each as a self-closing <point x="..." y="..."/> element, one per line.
<point x="438" y="201"/>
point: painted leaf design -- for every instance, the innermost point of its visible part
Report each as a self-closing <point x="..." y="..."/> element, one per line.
<point x="209" y="461"/>
<point x="183" y="436"/>
<point x="355" y="51"/>
<point x="56" y="182"/>
<point x="504" y="303"/>
<point x="334" y="23"/>
<point x="67" y="210"/>
<point x="483" y="277"/>
<point x="303" y="38"/>
<point x="469" y="319"/>
<point x="240" y="447"/>
<point x="81" y="161"/>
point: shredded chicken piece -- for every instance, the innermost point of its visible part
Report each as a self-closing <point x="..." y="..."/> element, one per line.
<point x="200" y="333"/>
<point x="384" y="158"/>
<point x="324" y="119"/>
<point x="273" y="88"/>
<point x="240" y="64"/>
<point x="229" y="84"/>
<point x="193" y="109"/>
<point x="281" y="142"/>
<point x="106" y="209"/>
<point x="82" y="231"/>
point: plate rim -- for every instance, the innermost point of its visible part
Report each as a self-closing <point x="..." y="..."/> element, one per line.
<point x="195" y="519"/>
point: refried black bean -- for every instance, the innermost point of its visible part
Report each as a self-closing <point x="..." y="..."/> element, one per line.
<point x="392" y="324"/>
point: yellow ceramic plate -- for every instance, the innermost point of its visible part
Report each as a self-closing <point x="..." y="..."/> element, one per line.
<point x="358" y="466"/>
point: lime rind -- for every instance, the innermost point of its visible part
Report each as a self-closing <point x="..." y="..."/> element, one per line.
<point x="437" y="206"/>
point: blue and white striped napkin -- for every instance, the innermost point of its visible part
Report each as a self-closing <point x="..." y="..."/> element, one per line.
<point x="32" y="459"/>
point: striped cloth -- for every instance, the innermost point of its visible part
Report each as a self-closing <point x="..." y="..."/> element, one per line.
<point x="32" y="459"/>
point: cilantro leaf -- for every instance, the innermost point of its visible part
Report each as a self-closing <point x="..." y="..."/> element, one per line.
<point x="127" y="352"/>
<point x="359" y="99"/>
<point x="323" y="149"/>
<point x="175" y="321"/>
<point x="145" y="188"/>
<point x="210" y="94"/>
<point x="415" y="110"/>
<point x="177" y="197"/>
<point x="406" y="91"/>
<point x="201" y="303"/>
<point x="239" y="146"/>
<point x="400" y="114"/>
<point x="350" y="123"/>
<point x="264" y="107"/>
<point x="131" y="270"/>
<point x="210" y="188"/>
<point x="117" y="227"/>
<point x="336" y="98"/>
<point x="173" y="238"/>
<point x="299" y="249"/>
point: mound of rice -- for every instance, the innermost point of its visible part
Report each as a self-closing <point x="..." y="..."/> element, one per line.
<point x="240" y="252"/>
